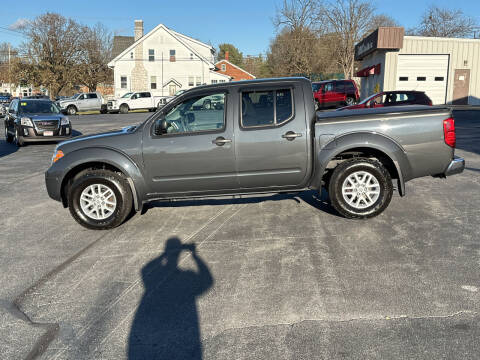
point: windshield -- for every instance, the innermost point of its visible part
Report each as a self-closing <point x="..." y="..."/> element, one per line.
<point x="127" y="95"/>
<point x="38" y="107"/>
<point x="369" y="98"/>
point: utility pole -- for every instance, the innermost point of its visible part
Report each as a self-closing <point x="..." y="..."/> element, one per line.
<point x="162" y="73"/>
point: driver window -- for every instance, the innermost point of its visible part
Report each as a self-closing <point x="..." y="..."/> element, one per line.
<point x="328" y="87"/>
<point x="201" y="113"/>
<point x="378" y="100"/>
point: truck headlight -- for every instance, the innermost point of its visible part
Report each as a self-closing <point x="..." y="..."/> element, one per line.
<point x="65" y="121"/>
<point x="25" y="121"/>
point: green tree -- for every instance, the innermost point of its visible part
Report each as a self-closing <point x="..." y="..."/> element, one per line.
<point x="234" y="55"/>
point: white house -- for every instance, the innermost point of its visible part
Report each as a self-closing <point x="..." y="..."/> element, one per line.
<point x="163" y="62"/>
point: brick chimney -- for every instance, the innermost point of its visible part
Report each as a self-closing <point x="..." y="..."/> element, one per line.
<point x="138" y="30"/>
<point x="226" y="56"/>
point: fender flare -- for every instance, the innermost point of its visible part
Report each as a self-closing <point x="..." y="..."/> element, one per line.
<point x="94" y="155"/>
<point x="365" y="139"/>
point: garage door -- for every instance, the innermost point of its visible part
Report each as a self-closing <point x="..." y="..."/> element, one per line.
<point x="424" y="73"/>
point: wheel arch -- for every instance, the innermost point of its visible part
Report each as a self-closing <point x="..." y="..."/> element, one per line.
<point x="364" y="144"/>
<point x="110" y="160"/>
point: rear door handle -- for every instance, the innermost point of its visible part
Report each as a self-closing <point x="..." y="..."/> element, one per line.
<point x="290" y="135"/>
<point x="220" y="141"/>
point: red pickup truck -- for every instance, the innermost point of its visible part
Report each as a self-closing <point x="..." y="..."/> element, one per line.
<point x="335" y="93"/>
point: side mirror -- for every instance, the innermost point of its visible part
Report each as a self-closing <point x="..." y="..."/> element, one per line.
<point x="161" y="126"/>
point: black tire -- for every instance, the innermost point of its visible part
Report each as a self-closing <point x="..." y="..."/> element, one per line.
<point x="8" y="136"/>
<point x="114" y="181"/>
<point x="350" y="101"/>
<point x="18" y="140"/>
<point x="123" y="109"/>
<point x="72" y="110"/>
<point x="363" y="165"/>
<point x="103" y="111"/>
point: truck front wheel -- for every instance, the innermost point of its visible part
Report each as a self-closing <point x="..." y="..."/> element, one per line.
<point x="123" y="109"/>
<point x="360" y="188"/>
<point x="100" y="199"/>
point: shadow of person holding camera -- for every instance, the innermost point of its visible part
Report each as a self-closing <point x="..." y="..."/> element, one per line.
<point x="166" y="322"/>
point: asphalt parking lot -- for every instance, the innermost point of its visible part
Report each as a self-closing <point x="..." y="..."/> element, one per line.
<point x="277" y="277"/>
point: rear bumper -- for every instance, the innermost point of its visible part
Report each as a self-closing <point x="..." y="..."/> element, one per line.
<point x="457" y="165"/>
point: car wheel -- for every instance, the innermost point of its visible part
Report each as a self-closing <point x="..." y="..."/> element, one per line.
<point x="18" y="140"/>
<point x="71" y="110"/>
<point x="123" y="109"/>
<point x="350" y="101"/>
<point x="100" y="199"/>
<point x="8" y="136"/>
<point x="103" y="111"/>
<point x="360" y="188"/>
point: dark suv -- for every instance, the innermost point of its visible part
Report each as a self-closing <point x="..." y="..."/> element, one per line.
<point x="335" y="93"/>
<point x="393" y="98"/>
<point x="29" y="120"/>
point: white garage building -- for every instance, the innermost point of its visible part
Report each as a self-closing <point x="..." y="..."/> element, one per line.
<point x="447" y="69"/>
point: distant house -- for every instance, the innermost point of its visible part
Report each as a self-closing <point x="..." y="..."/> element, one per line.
<point x="162" y="62"/>
<point x="225" y="67"/>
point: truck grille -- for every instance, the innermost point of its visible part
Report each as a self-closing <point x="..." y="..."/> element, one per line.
<point x="47" y="124"/>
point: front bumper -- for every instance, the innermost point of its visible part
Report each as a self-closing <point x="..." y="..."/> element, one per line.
<point x="33" y="134"/>
<point x="53" y="185"/>
<point x="457" y="165"/>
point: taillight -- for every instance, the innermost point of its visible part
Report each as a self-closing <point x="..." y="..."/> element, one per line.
<point x="449" y="132"/>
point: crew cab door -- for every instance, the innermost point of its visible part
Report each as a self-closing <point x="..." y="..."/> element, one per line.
<point x="196" y="153"/>
<point x="271" y="138"/>
<point x="93" y="101"/>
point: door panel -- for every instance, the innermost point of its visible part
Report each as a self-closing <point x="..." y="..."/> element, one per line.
<point x="266" y="156"/>
<point x="197" y="155"/>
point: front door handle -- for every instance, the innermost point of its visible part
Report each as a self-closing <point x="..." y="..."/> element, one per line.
<point x="220" y="141"/>
<point x="290" y="135"/>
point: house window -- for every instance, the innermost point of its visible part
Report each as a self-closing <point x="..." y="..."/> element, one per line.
<point x="403" y="78"/>
<point x="191" y="81"/>
<point x="199" y="80"/>
<point x="131" y="55"/>
<point x="221" y="81"/>
<point x="153" y="82"/>
<point x="123" y="82"/>
<point x="172" y="55"/>
<point x="191" y="56"/>
<point x="421" y="78"/>
<point x="214" y="81"/>
<point x="224" y="67"/>
<point x="151" y="55"/>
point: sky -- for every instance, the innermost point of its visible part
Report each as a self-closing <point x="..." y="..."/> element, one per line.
<point x="247" y="24"/>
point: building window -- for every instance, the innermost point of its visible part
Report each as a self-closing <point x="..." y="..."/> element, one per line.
<point x="403" y="78"/>
<point x="131" y="55"/>
<point x="172" y="55"/>
<point x="421" y="78"/>
<point x="123" y="82"/>
<point x="199" y="80"/>
<point x="151" y="55"/>
<point x="221" y="81"/>
<point x="214" y="81"/>
<point x="191" y="56"/>
<point x="439" y="78"/>
<point x="224" y="67"/>
<point x="153" y="82"/>
<point x="191" y="81"/>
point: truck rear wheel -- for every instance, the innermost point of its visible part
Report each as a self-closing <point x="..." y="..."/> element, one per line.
<point x="360" y="188"/>
<point x="124" y="109"/>
<point x="100" y="199"/>
<point x="71" y="110"/>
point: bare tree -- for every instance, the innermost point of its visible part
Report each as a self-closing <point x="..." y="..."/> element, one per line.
<point x="51" y="53"/>
<point x="297" y="15"/>
<point x="350" y="20"/>
<point x="380" y="21"/>
<point x="442" y="22"/>
<point x="96" y="44"/>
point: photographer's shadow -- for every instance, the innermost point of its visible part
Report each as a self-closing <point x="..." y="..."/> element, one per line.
<point x="166" y="322"/>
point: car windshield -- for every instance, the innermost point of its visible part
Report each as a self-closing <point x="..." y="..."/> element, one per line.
<point x="38" y="107"/>
<point x="369" y="98"/>
<point x="127" y="95"/>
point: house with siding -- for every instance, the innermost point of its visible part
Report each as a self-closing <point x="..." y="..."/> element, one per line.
<point x="162" y="61"/>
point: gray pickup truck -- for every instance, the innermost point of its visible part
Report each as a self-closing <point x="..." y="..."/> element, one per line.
<point x="252" y="137"/>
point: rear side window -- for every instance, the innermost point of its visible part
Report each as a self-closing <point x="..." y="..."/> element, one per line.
<point x="349" y="87"/>
<point x="92" y="96"/>
<point x="340" y="87"/>
<point x="266" y="108"/>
